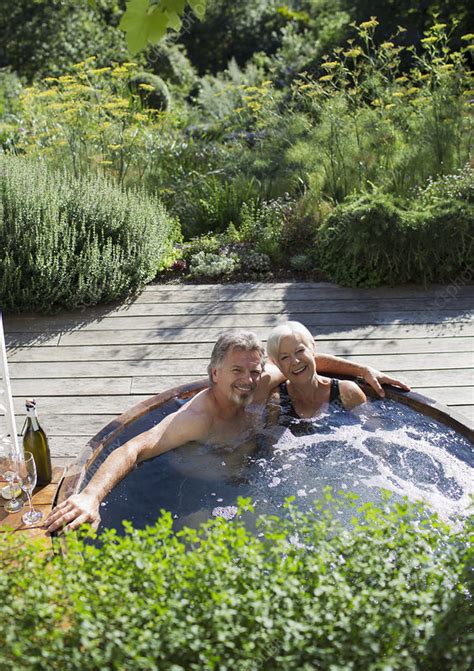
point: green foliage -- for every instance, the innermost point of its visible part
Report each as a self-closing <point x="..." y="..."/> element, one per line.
<point x="73" y="242"/>
<point x="151" y="90"/>
<point x="262" y="224"/>
<point x="208" y="264"/>
<point x="213" y="203"/>
<point x="170" y="62"/>
<point x="146" y="22"/>
<point x="46" y="37"/>
<point x="392" y="592"/>
<point x="371" y="240"/>
<point x="369" y="122"/>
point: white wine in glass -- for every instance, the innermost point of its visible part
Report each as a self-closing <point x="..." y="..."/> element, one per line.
<point x="28" y="483"/>
<point x="9" y="469"/>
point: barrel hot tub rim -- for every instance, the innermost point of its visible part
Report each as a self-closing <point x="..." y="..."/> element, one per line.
<point x="75" y="473"/>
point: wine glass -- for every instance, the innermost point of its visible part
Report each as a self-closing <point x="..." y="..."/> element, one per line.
<point x="10" y="469"/>
<point x="28" y="479"/>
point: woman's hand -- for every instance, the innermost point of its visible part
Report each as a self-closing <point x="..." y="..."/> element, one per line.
<point x="71" y="514"/>
<point x="375" y="378"/>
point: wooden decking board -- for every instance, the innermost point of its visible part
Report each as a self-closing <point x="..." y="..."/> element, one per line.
<point x="90" y="386"/>
<point x="190" y="336"/>
<point x="160" y="351"/>
<point x="79" y="405"/>
<point x="433" y="379"/>
<point x="300" y="290"/>
<point x="198" y="365"/>
<point x="86" y="366"/>
<point x="249" y="321"/>
<point x="272" y="307"/>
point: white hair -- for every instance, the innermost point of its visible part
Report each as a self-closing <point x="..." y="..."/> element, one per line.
<point x="283" y="330"/>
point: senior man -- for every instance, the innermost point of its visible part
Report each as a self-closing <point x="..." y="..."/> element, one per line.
<point x="218" y="414"/>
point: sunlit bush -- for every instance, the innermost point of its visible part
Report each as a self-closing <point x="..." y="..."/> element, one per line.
<point x="392" y="591"/>
<point x="73" y="242"/>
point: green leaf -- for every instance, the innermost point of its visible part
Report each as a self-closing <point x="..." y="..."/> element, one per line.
<point x="174" y="21"/>
<point x="157" y="25"/>
<point x="135" y="22"/>
<point x="92" y="3"/>
<point x="173" y="6"/>
<point x="198" y="7"/>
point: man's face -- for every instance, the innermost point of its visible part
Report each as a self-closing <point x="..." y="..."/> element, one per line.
<point x="238" y="375"/>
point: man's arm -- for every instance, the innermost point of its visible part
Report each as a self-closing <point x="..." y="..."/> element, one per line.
<point x="326" y="363"/>
<point x="176" y="429"/>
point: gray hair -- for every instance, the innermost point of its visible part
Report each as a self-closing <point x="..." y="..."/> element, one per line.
<point x="283" y="330"/>
<point x="246" y="341"/>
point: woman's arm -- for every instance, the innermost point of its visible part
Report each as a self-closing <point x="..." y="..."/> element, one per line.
<point x="328" y="364"/>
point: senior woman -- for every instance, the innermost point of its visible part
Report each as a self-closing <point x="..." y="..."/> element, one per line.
<point x="291" y="348"/>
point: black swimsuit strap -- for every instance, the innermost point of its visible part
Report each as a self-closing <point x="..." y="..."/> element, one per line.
<point x="285" y="400"/>
<point x="335" y="393"/>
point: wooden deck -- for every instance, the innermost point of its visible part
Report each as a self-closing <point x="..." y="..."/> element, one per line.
<point x="87" y="366"/>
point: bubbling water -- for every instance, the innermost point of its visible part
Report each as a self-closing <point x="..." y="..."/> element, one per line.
<point x="379" y="446"/>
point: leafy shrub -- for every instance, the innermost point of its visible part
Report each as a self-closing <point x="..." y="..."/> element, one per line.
<point x="457" y="186"/>
<point x="44" y="38"/>
<point x="151" y="90"/>
<point x="214" y="202"/>
<point x="371" y="240"/>
<point x="71" y="242"/>
<point x="254" y="262"/>
<point x="207" y="264"/>
<point x="263" y="225"/>
<point x="301" y="262"/>
<point x="392" y="592"/>
<point x="170" y="62"/>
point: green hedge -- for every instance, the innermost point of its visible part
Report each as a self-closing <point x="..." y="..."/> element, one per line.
<point x="371" y="241"/>
<point x="390" y="593"/>
<point x="73" y="242"/>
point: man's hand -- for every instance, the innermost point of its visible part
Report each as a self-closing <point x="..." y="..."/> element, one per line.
<point x="76" y="510"/>
<point x="376" y="378"/>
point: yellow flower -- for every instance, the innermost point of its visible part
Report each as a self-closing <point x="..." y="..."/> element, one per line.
<point x="326" y="78"/>
<point x="140" y="117"/>
<point x="146" y="87"/>
<point x="377" y="102"/>
<point x="353" y="53"/>
<point x="467" y="37"/>
<point x="49" y="80"/>
<point x="429" y="40"/>
<point x="330" y="65"/>
<point x="439" y="26"/>
<point x="447" y="67"/>
<point x="104" y="162"/>
<point x="114" y="147"/>
<point x="387" y="45"/>
<point x="100" y="71"/>
<point x="412" y="90"/>
<point x="389" y="106"/>
<point x="398" y="94"/>
<point x="401" y="79"/>
<point x="369" y="24"/>
<point x="50" y="93"/>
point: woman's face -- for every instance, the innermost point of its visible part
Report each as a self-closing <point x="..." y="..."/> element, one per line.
<point x="296" y="359"/>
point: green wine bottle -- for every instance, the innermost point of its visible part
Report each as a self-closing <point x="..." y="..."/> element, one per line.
<point x="36" y="442"/>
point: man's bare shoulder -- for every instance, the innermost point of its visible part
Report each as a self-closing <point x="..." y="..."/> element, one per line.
<point x="201" y="409"/>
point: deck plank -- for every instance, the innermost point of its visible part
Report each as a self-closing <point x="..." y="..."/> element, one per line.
<point x="197" y="366"/>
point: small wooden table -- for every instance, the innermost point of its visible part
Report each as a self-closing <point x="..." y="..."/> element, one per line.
<point x="43" y="498"/>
